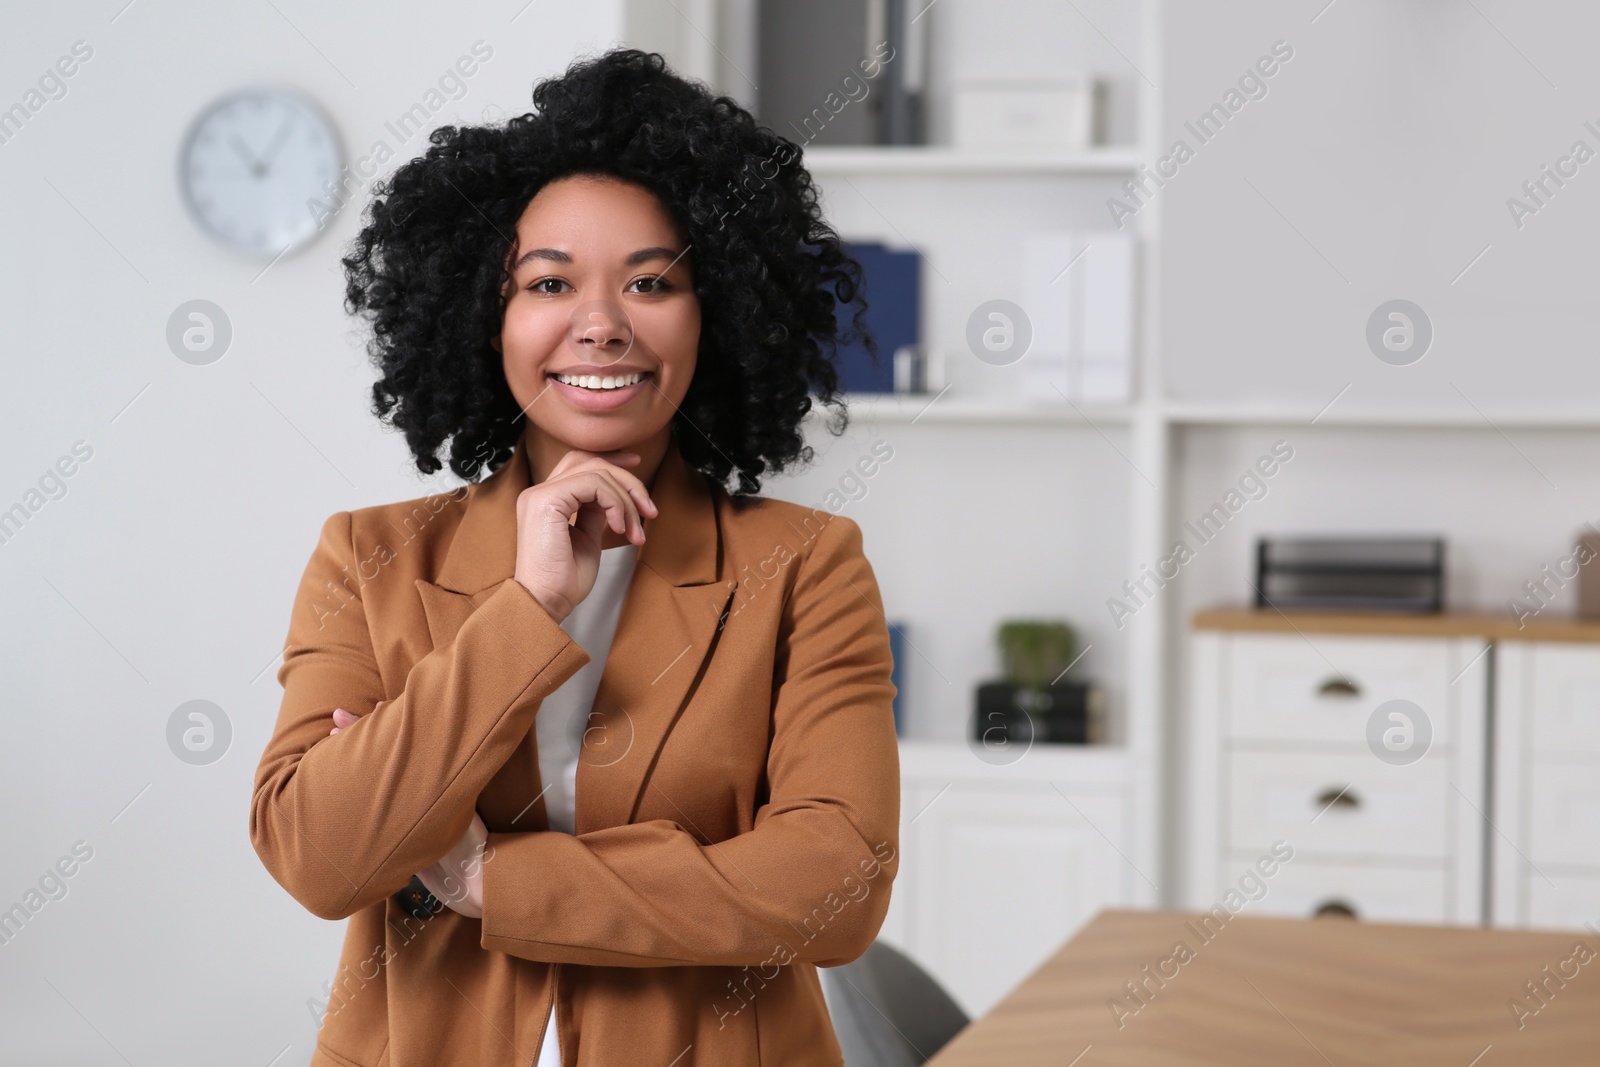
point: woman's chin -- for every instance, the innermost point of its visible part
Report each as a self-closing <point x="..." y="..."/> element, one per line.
<point x="615" y="435"/>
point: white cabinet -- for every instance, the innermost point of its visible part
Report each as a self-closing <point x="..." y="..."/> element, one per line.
<point x="1002" y="864"/>
<point x="1547" y="787"/>
<point x="1362" y="753"/>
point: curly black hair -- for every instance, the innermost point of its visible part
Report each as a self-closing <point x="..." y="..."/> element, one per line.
<point x="428" y="268"/>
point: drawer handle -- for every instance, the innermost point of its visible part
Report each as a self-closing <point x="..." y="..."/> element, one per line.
<point x="1334" y="909"/>
<point x="1337" y="798"/>
<point x="1339" y="687"/>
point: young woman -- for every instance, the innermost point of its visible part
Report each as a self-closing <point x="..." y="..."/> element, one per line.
<point x="632" y="729"/>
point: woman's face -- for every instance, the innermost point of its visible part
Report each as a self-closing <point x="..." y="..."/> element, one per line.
<point x="601" y="325"/>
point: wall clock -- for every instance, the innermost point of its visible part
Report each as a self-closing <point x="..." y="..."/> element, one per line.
<point x="254" y="166"/>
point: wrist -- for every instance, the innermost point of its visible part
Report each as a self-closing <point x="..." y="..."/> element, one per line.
<point x="556" y="610"/>
<point x="559" y="615"/>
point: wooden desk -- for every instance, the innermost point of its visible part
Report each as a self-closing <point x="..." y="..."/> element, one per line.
<point x="1287" y="992"/>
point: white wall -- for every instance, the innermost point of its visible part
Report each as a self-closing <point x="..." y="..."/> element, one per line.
<point x="1391" y="142"/>
<point x="165" y="572"/>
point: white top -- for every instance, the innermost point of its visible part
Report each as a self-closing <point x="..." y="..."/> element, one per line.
<point x="563" y="715"/>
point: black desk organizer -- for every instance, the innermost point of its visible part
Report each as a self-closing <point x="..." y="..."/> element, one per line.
<point x="1398" y="574"/>
<point x="1065" y="713"/>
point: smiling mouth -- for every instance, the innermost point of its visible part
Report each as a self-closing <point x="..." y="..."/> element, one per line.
<point x="601" y="383"/>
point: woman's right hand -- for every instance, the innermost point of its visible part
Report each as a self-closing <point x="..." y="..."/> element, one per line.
<point x="557" y="556"/>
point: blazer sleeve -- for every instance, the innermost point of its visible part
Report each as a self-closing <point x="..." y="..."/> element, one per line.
<point x="810" y="881"/>
<point x="343" y="822"/>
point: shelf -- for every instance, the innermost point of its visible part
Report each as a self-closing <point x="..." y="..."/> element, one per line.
<point x="1401" y="418"/>
<point x="1000" y="410"/>
<point x="947" y="762"/>
<point x="936" y="160"/>
<point x="947" y="409"/>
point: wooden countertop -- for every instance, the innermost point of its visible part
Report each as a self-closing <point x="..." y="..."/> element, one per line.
<point x="1498" y="626"/>
<point x="1286" y="992"/>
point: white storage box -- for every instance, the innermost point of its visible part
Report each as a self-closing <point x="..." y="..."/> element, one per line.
<point x="1033" y="114"/>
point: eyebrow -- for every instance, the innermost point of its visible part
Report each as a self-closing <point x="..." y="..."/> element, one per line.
<point x="556" y="255"/>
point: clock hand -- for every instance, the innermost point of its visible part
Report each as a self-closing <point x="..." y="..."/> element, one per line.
<point x="249" y="158"/>
<point x="278" y="140"/>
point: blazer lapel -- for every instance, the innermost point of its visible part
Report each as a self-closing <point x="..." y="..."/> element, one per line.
<point x="483" y="552"/>
<point x="669" y="623"/>
<point x="670" y="620"/>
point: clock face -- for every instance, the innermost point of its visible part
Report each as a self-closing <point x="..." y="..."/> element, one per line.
<point x="258" y="170"/>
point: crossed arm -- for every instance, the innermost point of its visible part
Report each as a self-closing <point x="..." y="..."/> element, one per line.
<point x="342" y="822"/>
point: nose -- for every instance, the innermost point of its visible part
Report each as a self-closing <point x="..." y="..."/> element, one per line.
<point x="600" y="333"/>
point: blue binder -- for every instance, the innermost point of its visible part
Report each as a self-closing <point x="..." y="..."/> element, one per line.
<point x="893" y="290"/>
<point x="897" y="674"/>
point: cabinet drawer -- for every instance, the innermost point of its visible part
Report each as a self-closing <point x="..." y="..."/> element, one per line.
<point x="1384" y="810"/>
<point x="1566" y="700"/>
<point x="1323" y="687"/>
<point x="1301" y="888"/>
<point x="1564" y="814"/>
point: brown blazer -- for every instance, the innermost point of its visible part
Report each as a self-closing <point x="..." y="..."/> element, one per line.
<point x="737" y="794"/>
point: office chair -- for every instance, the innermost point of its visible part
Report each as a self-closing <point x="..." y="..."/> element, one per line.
<point x="887" y="1011"/>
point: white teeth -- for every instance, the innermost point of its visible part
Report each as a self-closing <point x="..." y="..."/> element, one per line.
<point x="595" y="381"/>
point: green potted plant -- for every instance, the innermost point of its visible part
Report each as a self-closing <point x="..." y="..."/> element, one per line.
<point x="1032" y="701"/>
<point x="1033" y="653"/>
